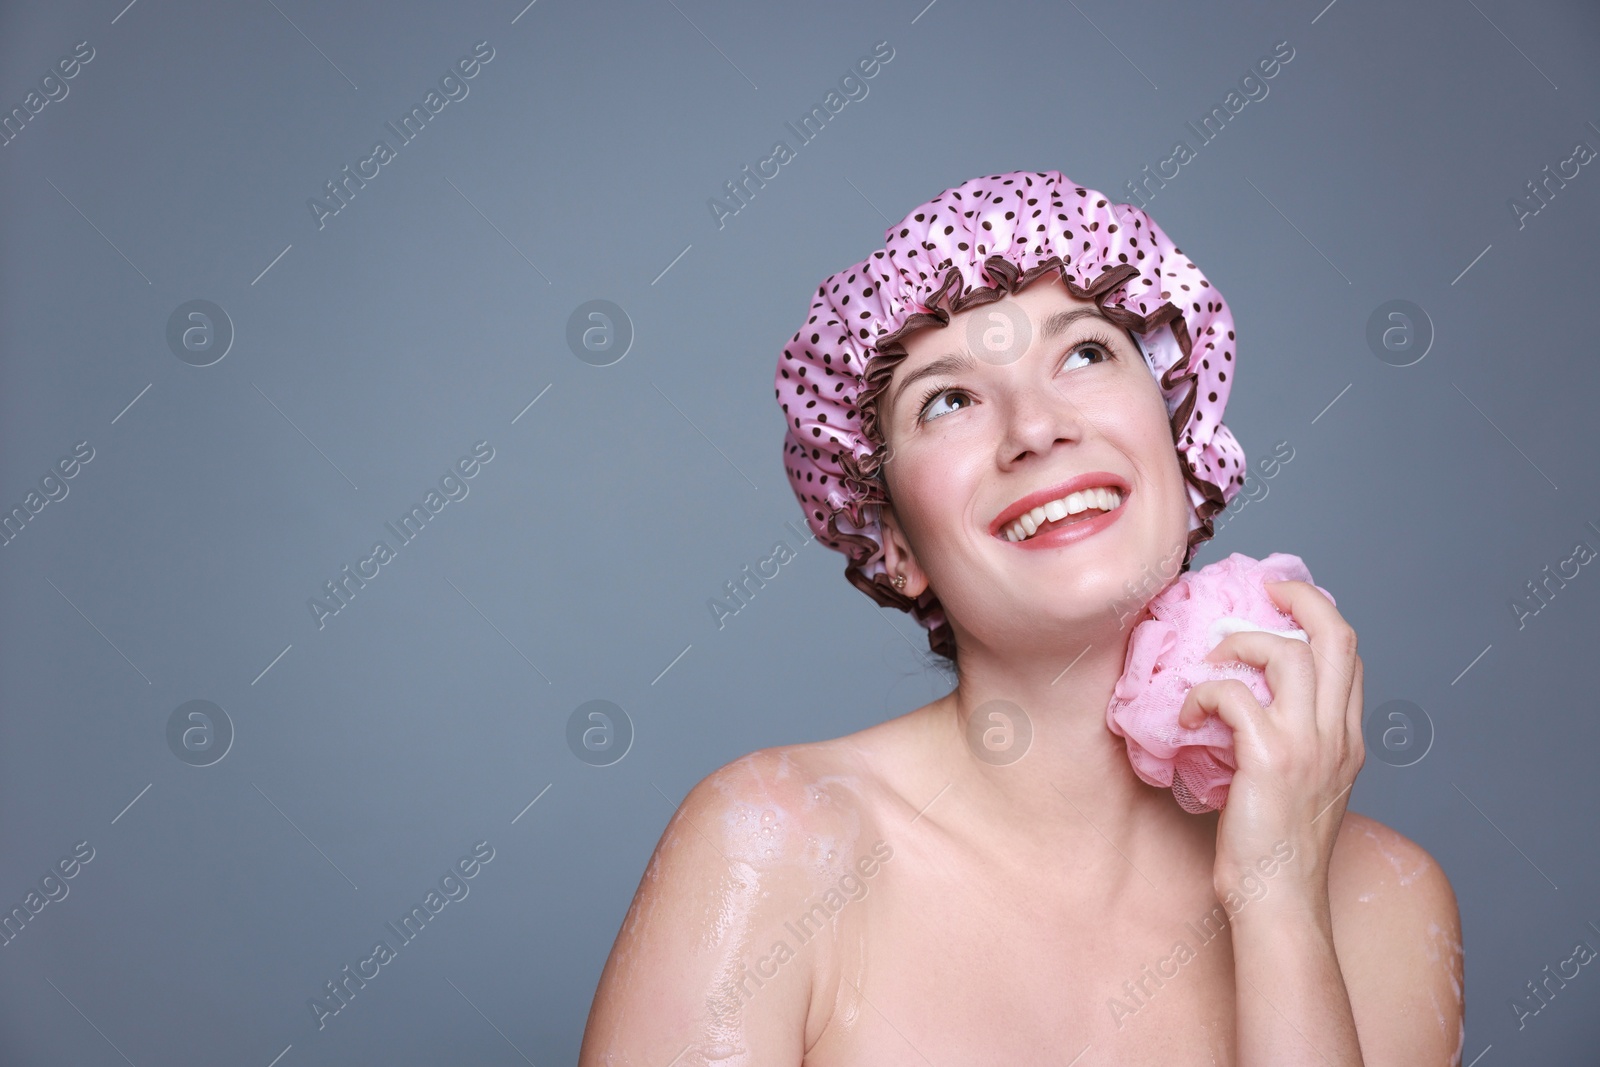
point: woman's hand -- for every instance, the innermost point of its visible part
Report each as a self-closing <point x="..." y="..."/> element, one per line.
<point x="1296" y="758"/>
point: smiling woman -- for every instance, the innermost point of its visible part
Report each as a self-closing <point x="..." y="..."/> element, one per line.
<point x="1018" y="402"/>
<point x="985" y="239"/>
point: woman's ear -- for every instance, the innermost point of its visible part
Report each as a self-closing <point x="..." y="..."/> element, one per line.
<point x="898" y="556"/>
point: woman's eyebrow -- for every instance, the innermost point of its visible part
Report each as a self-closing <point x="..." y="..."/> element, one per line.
<point x="1053" y="326"/>
<point x="1058" y="323"/>
<point x="943" y="365"/>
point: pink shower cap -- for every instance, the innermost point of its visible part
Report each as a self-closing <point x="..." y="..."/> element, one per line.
<point x="1165" y="660"/>
<point x="970" y="245"/>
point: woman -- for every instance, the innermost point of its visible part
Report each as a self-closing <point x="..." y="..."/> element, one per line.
<point x="985" y="880"/>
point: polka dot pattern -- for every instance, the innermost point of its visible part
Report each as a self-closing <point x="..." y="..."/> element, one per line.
<point x="967" y="246"/>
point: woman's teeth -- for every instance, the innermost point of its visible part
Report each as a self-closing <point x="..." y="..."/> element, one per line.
<point x="1103" y="498"/>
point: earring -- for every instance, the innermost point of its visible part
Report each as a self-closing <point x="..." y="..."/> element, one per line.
<point x="899" y="581"/>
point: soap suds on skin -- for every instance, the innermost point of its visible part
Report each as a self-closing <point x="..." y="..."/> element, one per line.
<point x="1405" y="877"/>
<point x="1444" y="947"/>
<point x="775" y="821"/>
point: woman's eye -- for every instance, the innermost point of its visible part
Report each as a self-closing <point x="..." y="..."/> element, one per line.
<point x="1094" y="347"/>
<point x="930" y="411"/>
<point x="1090" y="352"/>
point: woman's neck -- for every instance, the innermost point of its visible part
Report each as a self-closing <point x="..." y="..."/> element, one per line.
<point x="1027" y="742"/>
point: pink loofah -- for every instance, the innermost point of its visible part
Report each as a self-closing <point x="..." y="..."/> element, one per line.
<point x="1183" y="623"/>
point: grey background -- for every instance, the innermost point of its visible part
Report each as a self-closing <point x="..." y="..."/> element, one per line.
<point x="433" y="309"/>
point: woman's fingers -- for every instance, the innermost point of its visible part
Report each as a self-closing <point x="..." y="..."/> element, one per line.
<point x="1296" y="758"/>
<point x="1290" y="673"/>
<point x="1353" y="715"/>
<point x="1228" y="698"/>
<point x="1333" y="643"/>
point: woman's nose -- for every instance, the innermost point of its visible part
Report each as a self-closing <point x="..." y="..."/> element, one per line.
<point x="1035" y="421"/>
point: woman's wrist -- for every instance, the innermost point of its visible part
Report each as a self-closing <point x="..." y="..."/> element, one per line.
<point x="1289" y="879"/>
<point x="1293" y="1006"/>
<point x="1291" y="884"/>
<point x="1285" y="909"/>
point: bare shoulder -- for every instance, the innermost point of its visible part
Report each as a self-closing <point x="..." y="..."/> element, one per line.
<point x="1397" y="931"/>
<point x="1372" y="863"/>
<point x="791" y="788"/>
<point x="837" y="790"/>
<point x="694" y="963"/>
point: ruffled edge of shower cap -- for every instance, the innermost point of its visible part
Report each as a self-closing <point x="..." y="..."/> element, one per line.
<point x="971" y="245"/>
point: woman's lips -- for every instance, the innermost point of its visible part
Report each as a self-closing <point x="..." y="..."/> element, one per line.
<point x="1059" y="532"/>
<point x="1041" y="497"/>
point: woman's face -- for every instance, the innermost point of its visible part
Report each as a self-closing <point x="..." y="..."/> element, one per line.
<point x="1043" y="396"/>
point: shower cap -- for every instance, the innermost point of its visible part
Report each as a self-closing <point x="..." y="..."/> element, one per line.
<point x="1165" y="660"/>
<point x="970" y="245"/>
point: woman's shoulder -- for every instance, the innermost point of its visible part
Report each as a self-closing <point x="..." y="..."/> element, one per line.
<point x="1397" y="931"/>
<point x="864" y="777"/>
<point x="1374" y="864"/>
<point x="705" y="947"/>
<point x="778" y="806"/>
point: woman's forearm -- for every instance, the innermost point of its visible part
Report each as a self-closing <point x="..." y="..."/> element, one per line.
<point x="1292" y="1006"/>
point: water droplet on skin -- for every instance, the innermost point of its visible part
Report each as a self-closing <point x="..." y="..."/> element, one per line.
<point x="831" y="854"/>
<point x="769" y="816"/>
<point x="769" y="853"/>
